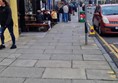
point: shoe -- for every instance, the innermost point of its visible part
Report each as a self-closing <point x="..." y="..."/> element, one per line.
<point x="49" y="29"/>
<point x="13" y="47"/>
<point x="2" y="47"/>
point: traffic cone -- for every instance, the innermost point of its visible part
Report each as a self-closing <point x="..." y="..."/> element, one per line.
<point x="91" y="31"/>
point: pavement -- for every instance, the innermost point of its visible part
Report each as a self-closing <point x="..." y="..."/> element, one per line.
<point x="57" y="56"/>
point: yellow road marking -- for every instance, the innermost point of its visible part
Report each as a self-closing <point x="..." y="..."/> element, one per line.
<point x="116" y="49"/>
<point x="111" y="48"/>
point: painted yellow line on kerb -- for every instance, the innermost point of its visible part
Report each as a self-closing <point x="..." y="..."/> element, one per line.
<point x="112" y="50"/>
<point x="116" y="49"/>
<point x="115" y="53"/>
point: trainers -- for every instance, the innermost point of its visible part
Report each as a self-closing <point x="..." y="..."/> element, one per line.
<point x="13" y="47"/>
<point x="49" y="29"/>
<point x="2" y="47"/>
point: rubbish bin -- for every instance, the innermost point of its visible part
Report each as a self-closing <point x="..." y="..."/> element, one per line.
<point x="82" y="16"/>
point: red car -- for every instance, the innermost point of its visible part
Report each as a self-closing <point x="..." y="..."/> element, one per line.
<point x="105" y="19"/>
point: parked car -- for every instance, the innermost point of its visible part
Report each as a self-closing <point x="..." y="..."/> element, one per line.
<point x="105" y="19"/>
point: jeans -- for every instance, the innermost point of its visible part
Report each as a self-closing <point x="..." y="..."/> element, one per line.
<point x="10" y="28"/>
<point x="65" y="17"/>
<point x="60" y="17"/>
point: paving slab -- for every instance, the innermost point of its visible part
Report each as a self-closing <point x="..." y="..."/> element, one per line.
<point x="91" y="64"/>
<point x="53" y="63"/>
<point x="100" y="75"/>
<point x="7" y="62"/>
<point x="22" y="72"/>
<point x="29" y="51"/>
<point x="67" y="47"/>
<point x="93" y="57"/>
<point x="64" y="73"/>
<point x="86" y="51"/>
<point x="12" y="80"/>
<point x="36" y="56"/>
<point x="42" y="47"/>
<point x="107" y="81"/>
<point x="66" y="57"/>
<point x="94" y="46"/>
<point x="1" y="59"/>
<point x="83" y="81"/>
<point x="2" y="68"/>
<point x="14" y="55"/>
<point x="24" y="63"/>
<point x="4" y="54"/>
<point x="47" y="81"/>
<point x="61" y="51"/>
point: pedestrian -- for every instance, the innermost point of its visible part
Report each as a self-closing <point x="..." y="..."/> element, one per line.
<point x="54" y="16"/>
<point x="65" y="12"/>
<point x="83" y="7"/>
<point x="6" y="21"/>
<point x="47" y="18"/>
<point x="60" y="14"/>
<point x="39" y="16"/>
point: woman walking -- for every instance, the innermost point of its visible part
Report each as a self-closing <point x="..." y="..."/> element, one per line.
<point x="6" y="21"/>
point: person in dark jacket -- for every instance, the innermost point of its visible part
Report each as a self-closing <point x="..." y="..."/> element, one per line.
<point x="47" y="18"/>
<point x="6" y="21"/>
<point x="39" y="16"/>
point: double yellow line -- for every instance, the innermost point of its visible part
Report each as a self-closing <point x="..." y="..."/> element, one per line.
<point x="112" y="48"/>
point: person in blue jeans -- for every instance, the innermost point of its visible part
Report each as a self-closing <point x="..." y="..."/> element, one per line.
<point x="65" y="12"/>
<point x="6" y="21"/>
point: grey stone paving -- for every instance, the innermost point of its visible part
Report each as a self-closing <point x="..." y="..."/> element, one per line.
<point x="91" y="64"/>
<point x="57" y="56"/>
<point x="11" y="80"/>
<point x="22" y="72"/>
<point x="47" y="81"/>
<point x="94" y="57"/>
<point x="99" y="74"/>
<point x="53" y="63"/>
<point x="64" y="73"/>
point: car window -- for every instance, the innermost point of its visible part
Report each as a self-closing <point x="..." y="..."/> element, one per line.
<point x="110" y="10"/>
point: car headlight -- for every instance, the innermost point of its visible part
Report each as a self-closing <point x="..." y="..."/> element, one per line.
<point x="105" y="20"/>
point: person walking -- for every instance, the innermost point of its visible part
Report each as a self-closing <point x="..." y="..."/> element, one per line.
<point x="60" y="14"/>
<point x="65" y="12"/>
<point x="6" y="21"/>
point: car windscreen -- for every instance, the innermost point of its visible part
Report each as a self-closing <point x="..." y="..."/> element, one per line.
<point x="110" y="10"/>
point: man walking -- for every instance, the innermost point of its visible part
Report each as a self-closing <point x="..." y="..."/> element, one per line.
<point x="65" y="12"/>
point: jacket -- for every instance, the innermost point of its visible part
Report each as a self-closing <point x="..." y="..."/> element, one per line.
<point x="5" y="16"/>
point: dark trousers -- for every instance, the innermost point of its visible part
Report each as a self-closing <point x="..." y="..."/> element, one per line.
<point x="10" y="28"/>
